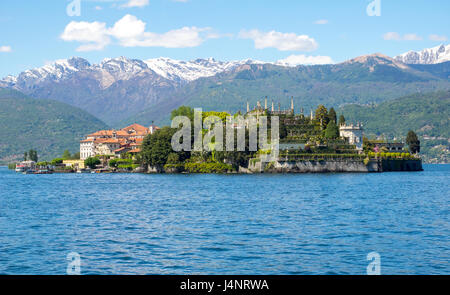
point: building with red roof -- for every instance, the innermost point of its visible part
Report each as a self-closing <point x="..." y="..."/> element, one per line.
<point x="115" y="142"/>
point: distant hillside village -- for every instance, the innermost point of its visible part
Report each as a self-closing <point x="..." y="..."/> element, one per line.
<point x="317" y="142"/>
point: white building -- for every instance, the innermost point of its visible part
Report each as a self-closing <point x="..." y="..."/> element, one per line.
<point x="353" y="133"/>
<point x="87" y="148"/>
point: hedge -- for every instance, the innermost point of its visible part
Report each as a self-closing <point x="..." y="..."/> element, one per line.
<point x="208" y="167"/>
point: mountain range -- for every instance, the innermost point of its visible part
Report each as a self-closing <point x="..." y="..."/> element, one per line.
<point x="121" y="90"/>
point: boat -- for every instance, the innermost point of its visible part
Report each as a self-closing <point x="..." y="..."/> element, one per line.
<point x="43" y="171"/>
<point x="84" y="171"/>
<point x="20" y="168"/>
<point x="29" y="171"/>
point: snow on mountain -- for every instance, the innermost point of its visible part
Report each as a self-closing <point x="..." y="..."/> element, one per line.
<point x="433" y="55"/>
<point x="111" y="70"/>
<point x="107" y="72"/>
<point x="121" y="68"/>
<point x="57" y="70"/>
<point x="186" y="71"/>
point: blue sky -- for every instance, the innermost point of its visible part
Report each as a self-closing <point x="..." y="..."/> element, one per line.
<point x="36" y="32"/>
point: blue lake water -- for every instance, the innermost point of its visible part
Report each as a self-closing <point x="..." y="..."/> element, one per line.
<point x="226" y="224"/>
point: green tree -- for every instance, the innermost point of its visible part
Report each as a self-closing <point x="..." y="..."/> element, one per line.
<point x="156" y="147"/>
<point x="66" y="155"/>
<point x="32" y="155"/>
<point x="222" y="115"/>
<point x="322" y="116"/>
<point x="332" y="131"/>
<point x="25" y="156"/>
<point x="173" y="158"/>
<point x="56" y="161"/>
<point x="332" y="115"/>
<point x="183" y="111"/>
<point x="92" y="162"/>
<point x="283" y="130"/>
<point x="413" y="142"/>
<point x="341" y="120"/>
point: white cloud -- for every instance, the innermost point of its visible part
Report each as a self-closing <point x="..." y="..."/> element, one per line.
<point x="94" y="35"/>
<point x="434" y="37"/>
<point x="98" y="8"/>
<point x="391" y="36"/>
<point x="5" y="49"/>
<point x="321" y="22"/>
<point x="397" y="37"/>
<point x="295" y="60"/>
<point x="130" y="31"/>
<point x="135" y="3"/>
<point x="280" y="41"/>
<point x="411" y="37"/>
<point x="128" y="27"/>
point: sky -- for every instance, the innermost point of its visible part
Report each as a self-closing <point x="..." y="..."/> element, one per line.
<point x="34" y="33"/>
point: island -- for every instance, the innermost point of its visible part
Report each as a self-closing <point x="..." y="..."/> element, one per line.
<point x="317" y="142"/>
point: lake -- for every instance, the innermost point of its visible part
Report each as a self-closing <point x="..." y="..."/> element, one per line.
<point x="226" y="224"/>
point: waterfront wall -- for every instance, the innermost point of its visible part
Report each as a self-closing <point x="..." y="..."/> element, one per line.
<point x="401" y="165"/>
<point x="312" y="166"/>
<point x="324" y="166"/>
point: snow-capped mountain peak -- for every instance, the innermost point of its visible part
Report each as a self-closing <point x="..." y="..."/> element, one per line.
<point x="186" y="71"/>
<point x="432" y="55"/>
<point x="58" y="68"/>
<point x="120" y="68"/>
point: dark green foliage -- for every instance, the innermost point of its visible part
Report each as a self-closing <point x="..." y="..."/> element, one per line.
<point x="413" y="142"/>
<point x="183" y="111"/>
<point x="283" y="131"/>
<point x="32" y="155"/>
<point x="57" y="161"/>
<point x="66" y="155"/>
<point x="173" y="158"/>
<point x="332" y="115"/>
<point x="156" y="147"/>
<point x="332" y="130"/>
<point x="322" y="116"/>
<point x="207" y="168"/>
<point x="341" y="120"/>
<point x="127" y="164"/>
<point x="48" y="126"/>
<point x="92" y="162"/>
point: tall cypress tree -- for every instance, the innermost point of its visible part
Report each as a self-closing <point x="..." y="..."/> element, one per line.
<point x="322" y="116"/>
<point x="341" y="120"/>
<point x="413" y="142"/>
<point x="332" y="115"/>
<point x="332" y="131"/>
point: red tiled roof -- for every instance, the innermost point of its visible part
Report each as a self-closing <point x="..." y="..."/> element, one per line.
<point x="106" y="140"/>
<point x="120" y="149"/>
<point x="137" y="128"/>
